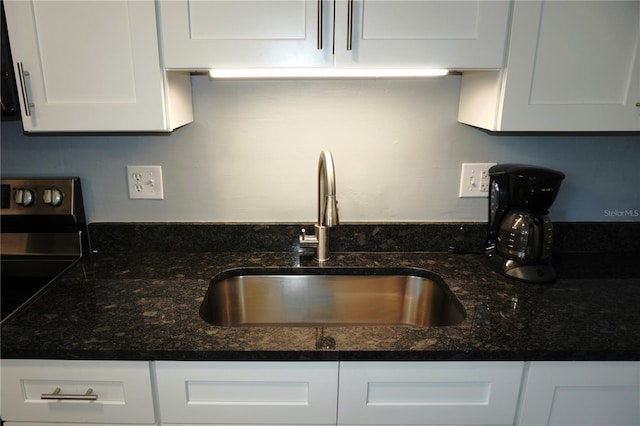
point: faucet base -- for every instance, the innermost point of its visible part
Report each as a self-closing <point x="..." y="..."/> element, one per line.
<point x="319" y="241"/>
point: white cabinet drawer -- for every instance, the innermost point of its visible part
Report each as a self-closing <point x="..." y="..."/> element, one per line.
<point x="248" y="392"/>
<point x="422" y="393"/>
<point x="123" y="391"/>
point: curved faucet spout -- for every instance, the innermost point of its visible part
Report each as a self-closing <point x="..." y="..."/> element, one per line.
<point x="327" y="209"/>
<point x="327" y="203"/>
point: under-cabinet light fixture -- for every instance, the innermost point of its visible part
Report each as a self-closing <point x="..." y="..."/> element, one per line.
<point x="311" y="73"/>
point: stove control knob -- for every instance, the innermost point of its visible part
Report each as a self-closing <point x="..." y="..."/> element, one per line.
<point x="24" y="197"/>
<point x="52" y="196"/>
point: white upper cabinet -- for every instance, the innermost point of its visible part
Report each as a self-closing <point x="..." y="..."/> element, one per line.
<point x="571" y="66"/>
<point x="93" y="66"/>
<point x="203" y="34"/>
<point x="429" y="34"/>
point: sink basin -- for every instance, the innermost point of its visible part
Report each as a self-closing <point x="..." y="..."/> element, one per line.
<point x="323" y="297"/>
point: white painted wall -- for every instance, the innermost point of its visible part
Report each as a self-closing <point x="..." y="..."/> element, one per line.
<point x="251" y="156"/>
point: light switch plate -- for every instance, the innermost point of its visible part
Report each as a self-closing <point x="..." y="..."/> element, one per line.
<point x="474" y="180"/>
<point x="145" y="182"/>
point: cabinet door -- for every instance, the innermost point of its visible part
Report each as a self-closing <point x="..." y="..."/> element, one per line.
<point x="122" y="389"/>
<point x="430" y="34"/>
<point x="248" y="392"/>
<point x="427" y="393"/>
<point x="90" y="66"/>
<point x="253" y="33"/>
<point x="572" y="66"/>
<point x="581" y="394"/>
<point x="286" y="33"/>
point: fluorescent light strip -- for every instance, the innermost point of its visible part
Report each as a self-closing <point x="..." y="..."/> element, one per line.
<point x="275" y="73"/>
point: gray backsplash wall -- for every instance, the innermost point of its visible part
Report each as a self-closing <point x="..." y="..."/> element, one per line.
<point x="251" y="156"/>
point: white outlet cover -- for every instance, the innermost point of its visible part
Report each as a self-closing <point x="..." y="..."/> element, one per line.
<point x="474" y="180"/>
<point x="145" y="182"/>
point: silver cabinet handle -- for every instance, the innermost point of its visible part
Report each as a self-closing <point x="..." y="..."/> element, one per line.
<point x="349" y="24"/>
<point x="320" y="16"/>
<point x="25" y="96"/>
<point x="57" y="395"/>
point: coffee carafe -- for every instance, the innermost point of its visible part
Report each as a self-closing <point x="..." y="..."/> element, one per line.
<point x="520" y="232"/>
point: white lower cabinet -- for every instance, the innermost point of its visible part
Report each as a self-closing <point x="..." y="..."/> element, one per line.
<point x="428" y="393"/>
<point x="330" y="393"/>
<point x="581" y="394"/>
<point x="180" y="393"/>
<point x="122" y="390"/>
<point x="284" y="393"/>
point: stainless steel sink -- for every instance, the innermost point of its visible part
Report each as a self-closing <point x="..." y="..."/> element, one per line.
<point x="323" y="297"/>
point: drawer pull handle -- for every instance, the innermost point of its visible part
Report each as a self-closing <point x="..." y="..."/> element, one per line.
<point x="319" y="35"/>
<point x="22" y="73"/>
<point x="88" y="396"/>
<point x="349" y="24"/>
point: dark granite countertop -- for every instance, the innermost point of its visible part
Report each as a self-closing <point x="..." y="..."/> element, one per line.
<point x="128" y="306"/>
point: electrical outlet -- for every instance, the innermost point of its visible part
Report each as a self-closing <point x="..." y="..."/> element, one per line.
<point x="145" y="182"/>
<point x="474" y="180"/>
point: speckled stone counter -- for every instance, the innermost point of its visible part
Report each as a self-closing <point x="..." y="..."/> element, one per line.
<point x="133" y="305"/>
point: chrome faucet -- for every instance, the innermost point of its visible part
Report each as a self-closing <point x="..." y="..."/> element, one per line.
<point x="327" y="209"/>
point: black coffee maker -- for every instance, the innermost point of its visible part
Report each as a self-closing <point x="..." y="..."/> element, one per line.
<point x="520" y="232"/>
